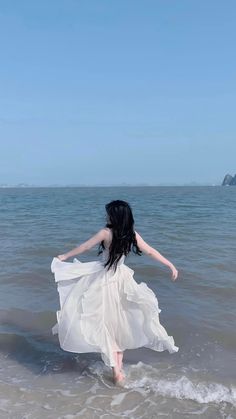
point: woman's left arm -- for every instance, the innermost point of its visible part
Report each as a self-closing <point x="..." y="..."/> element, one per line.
<point x="97" y="238"/>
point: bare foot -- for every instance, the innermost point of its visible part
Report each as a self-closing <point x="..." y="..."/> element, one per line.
<point x="118" y="378"/>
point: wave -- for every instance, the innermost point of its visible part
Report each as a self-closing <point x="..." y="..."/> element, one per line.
<point x="184" y="388"/>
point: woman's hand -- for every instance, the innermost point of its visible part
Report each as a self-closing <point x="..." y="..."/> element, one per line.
<point x="174" y="272"/>
<point x="62" y="257"/>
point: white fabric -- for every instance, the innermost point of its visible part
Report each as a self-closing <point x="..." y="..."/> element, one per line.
<point x="102" y="311"/>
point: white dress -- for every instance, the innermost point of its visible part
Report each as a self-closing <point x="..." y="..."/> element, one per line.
<point x="102" y="311"/>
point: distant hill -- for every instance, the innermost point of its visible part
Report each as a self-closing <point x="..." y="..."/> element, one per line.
<point x="229" y="180"/>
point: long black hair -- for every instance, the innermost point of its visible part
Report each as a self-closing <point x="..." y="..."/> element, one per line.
<point x="121" y="222"/>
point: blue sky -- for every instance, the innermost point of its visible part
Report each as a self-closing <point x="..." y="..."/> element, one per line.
<point x="106" y="92"/>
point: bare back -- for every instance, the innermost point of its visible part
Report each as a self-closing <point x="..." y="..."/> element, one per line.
<point x="108" y="239"/>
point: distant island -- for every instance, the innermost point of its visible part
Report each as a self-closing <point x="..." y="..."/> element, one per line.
<point x="229" y="180"/>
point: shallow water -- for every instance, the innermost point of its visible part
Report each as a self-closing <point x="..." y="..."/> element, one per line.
<point x="195" y="228"/>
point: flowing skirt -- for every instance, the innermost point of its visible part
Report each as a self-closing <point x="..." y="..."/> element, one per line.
<point x="106" y="311"/>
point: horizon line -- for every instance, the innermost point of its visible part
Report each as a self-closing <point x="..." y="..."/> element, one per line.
<point x="24" y="185"/>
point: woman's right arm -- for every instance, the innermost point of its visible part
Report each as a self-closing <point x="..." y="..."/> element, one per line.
<point x="150" y="251"/>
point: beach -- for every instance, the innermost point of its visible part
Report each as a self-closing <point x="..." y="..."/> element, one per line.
<point x="194" y="227"/>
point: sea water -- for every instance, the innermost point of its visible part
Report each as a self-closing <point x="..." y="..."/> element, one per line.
<point x="195" y="228"/>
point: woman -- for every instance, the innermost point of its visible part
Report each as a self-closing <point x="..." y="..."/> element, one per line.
<point x="103" y="309"/>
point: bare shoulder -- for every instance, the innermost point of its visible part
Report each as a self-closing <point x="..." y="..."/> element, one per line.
<point x="141" y="242"/>
<point x="107" y="230"/>
<point x="108" y="236"/>
<point x="104" y="233"/>
<point x="137" y="235"/>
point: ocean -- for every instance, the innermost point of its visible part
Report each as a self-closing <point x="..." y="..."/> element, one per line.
<point x="195" y="228"/>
